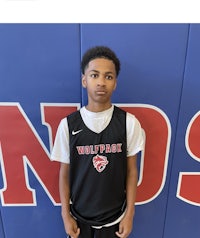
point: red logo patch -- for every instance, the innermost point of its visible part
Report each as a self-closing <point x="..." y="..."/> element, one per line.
<point x="100" y="162"/>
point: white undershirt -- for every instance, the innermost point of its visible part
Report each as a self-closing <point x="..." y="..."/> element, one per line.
<point x="96" y="121"/>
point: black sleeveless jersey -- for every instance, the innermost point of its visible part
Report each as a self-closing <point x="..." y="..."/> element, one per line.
<point x="98" y="169"/>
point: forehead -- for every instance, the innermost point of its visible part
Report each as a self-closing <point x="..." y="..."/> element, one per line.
<point x="101" y="65"/>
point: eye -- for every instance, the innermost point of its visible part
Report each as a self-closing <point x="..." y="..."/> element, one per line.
<point x="94" y="75"/>
<point x="109" y="77"/>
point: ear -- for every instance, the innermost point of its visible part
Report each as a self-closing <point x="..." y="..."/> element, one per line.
<point x="115" y="85"/>
<point x="84" y="84"/>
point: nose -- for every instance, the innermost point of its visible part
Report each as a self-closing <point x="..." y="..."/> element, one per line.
<point x="101" y="81"/>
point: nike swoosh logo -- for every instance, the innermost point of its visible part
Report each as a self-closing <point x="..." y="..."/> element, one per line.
<point x="76" y="132"/>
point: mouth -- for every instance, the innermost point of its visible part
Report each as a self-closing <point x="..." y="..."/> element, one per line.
<point x="100" y="92"/>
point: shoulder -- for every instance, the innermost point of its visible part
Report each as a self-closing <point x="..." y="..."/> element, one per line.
<point x="129" y="116"/>
<point x="73" y="118"/>
<point x="132" y="120"/>
<point x="73" y="115"/>
<point x="63" y="125"/>
<point x="120" y="112"/>
<point x="118" y="109"/>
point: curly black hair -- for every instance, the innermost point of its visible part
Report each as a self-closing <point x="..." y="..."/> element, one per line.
<point x="100" y="52"/>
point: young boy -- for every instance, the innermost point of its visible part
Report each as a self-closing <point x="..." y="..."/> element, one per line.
<point x="97" y="147"/>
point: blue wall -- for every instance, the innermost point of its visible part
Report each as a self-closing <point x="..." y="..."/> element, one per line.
<point x="40" y="63"/>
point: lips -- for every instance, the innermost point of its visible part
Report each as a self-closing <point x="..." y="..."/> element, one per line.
<point x="101" y="92"/>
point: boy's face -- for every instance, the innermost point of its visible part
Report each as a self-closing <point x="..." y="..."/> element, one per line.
<point x="100" y="80"/>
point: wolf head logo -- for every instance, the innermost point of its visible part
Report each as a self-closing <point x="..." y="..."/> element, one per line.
<point x="100" y="162"/>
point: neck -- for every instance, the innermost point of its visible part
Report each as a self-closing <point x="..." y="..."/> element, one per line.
<point x="98" y="107"/>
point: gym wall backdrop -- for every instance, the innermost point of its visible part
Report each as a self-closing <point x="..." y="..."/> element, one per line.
<point x="40" y="83"/>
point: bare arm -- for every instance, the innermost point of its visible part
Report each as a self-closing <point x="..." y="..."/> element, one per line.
<point x="126" y="223"/>
<point x="70" y="224"/>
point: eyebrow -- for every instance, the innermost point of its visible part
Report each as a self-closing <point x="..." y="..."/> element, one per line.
<point x="96" y="71"/>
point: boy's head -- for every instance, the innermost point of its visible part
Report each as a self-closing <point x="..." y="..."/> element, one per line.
<point x="100" y="52"/>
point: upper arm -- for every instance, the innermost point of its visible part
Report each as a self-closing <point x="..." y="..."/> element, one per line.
<point x="64" y="170"/>
<point x="135" y="135"/>
<point x="61" y="151"/>
<point x="132" y="164"/>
